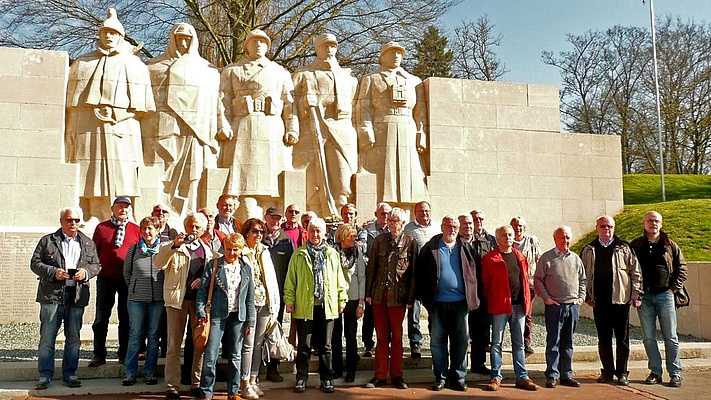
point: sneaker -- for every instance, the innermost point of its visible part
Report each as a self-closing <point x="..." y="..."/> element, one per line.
<point x="375" y="382"/>
<point x="150" y="379"/>
<point x="72" y="382"/>
<point x="96" y="362"/>
<point x="327" y="386"/>
<point x="675" y="381"/>
<point x="653" y="379"/>
<point x="300" y="386"/>
<point x="526" y="384"/>
<point x="494" y="385"/>
<point x="128" y="380"/>
<point x="43" y="384"/>
<point x="248" y="392"/>
<point x="399" y="383"/>
<point x="416" y="351"/>
<point x="256" y="388"/>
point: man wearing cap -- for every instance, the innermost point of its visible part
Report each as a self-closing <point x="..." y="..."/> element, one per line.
<point x="64" y="262"/>
<point x="323" y="94"/>
<point x="112" y="238"/>
<point x="390" y="116"/>
<point x="181" y="133"/>
<point x="258" y="105"/>
<point x="108" y="89"/>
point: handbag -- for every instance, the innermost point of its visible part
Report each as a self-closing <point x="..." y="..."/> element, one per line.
<point x="681" y="297"/>
<point x="276" y="346"/>
<point x="202" y="333"/>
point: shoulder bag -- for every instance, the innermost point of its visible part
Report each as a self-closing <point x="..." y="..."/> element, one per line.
<point x="202" y="333"/>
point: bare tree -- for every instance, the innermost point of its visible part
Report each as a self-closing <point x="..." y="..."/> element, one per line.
<point x="473" y="47"/>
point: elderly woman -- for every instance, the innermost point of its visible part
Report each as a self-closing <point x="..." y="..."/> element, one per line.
<point x="267" y="301"/>
<point x="353" y="264"/>
<point x="315" y="293"/>
<point x="528" y="245"/>
<point x="183" y="261"/>
<point x="145" y="301"/>
<point x="232" y="313"/>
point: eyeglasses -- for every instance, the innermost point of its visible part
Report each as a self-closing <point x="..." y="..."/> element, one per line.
<point x="293" y="211"/>
<point x="70" y="220"/>
<point x="478" y="219"/>
<point x="161" y="212"/>
<point x="606" y="226"/>
<point x="257" y="231"/>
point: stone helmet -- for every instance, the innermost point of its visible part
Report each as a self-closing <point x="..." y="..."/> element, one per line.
<point x="391" y="46"/>
<point x="182" y="29"/>
<point x="257" y="33"/>
<point x="320" y="40"/>
<point x="112" y="22"/>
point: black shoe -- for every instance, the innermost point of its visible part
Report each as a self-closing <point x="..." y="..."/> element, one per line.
<point x="368" y="352"/>
<point x="195" y="393"/>
<point x="528" y="349"/>
<point x="481" y="370"/>
<point x="416" y="351"/>
<point x="375" y="382"/>
<point x="622" y="380"/>
<point x="337" y="375"/>
<point x="550" y="383"/>
<point x="172" y="394"/>
<point x="570" y="382"/>
<point x="96" y="362"/>
<point x="72" y="382"/>
<point x="185" y="380"/>
<point x="273" y="376"/>
<point x="327" y="386"/>
<point x="653" y="379"/>
<point x="43" y="384"/>
<point x="300" y="386"/>
<point x="150" y="379"/>
<point x="399" y="383"/>
<point x="122" y="361"/>
<point x="350" y="377"/>
<point x="459" y="386"/>
<point x="675" y="381"/>
<point x="605" y="378"/>
<point x="439" y="385"/>
<point x="129" y="380"/>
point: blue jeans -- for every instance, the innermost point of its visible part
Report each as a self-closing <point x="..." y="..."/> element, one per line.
<point x="234" y="329"/>
<point x="516" y="321"/>
<point x="449" y="322"/>
<point x="51" y="317"/>
<point x="145" y="322"/>
<point x="660" y="306"/>
<point x="561" y="321"/>
<point x="413" y="324"/>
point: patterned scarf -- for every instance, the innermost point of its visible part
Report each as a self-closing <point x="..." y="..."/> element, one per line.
<point x="120" y="232"/>
<point x="318" y="259"/>
<point x="148" y="251"/>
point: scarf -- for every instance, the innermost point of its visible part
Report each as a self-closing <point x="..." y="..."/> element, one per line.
<point x="148" y="251"/>
<point x="120" y="232"/>
<point x="318" y="259"/>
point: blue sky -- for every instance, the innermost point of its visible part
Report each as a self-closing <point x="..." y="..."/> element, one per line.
<point x="530" y="27"/>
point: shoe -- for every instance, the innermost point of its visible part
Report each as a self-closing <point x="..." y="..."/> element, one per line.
<point x="257" y="389"/>
<point x="481" y="370"/>
<point x="72" y="382"/>
<point x="551" y="383"/>
<point x="248" y="392"/>
<point x="368" y="353"/>
<point x="142" y="357"/>
<point x="43" y="384"/>
<point x="653" y="379"/>
<point x="459" y="386"/>
<point x="439" y="385"/>
<point x="195" y="393"/>
<point x="494" y="385"/>
<point x="172" y="394"/>
<point x="416" y="351"/>
<point x="399" y="383"/>
<point x="528" y="349"/>
<point x="570" y="382"/>
<point x="350" y="377"/>
<point x="327" y="386"/>
<point x="300" y="386"/>
<point x="623" y="381"/>
<point x="185" y="380"/>
<point x="527" y="384"/>
<point x="604" y="378"/>
<point x="337" y="375"/>
<point x="128" y="380"/>
<point x="675" y="381"/>
<point x="122" y="361"/>
<point x="96" y="362"/>
<point x="150" y="379"/>
<point x="375" y="382"/>
<point x="273" y="376"/>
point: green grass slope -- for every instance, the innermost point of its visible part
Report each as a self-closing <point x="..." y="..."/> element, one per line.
<point x="646" y="189"/>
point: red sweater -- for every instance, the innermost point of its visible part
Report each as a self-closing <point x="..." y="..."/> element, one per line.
<point x="110" y="256"/>
<point x="495" y="278"/>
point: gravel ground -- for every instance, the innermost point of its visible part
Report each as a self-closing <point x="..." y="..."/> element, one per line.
<point x="19" y="341"/>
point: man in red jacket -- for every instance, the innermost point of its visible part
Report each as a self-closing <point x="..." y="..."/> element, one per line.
<point x="112" y="238"/>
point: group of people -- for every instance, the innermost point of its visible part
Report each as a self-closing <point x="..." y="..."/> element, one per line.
<point x="472" y="284"/>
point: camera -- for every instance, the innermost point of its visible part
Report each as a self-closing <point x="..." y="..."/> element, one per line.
<point x="190" y="238"/>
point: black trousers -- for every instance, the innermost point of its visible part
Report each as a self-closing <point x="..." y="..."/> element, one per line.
<point x="106" y="291"/>
<point x="346" y="325"/>
<point x="613" y="319"/>
<point x="314" y="333"/>
<point x="366" y="331"/>
<point x="480" y="336"/>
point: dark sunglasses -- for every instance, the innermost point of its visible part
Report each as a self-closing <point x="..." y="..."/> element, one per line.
<point x="161" y="212"/>
<point x="259" y="231"/>
<point x="70" y="220"/>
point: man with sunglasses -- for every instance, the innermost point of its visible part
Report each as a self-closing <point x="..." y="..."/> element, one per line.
<point x="292" y="227"/>
<point x="614" y="282"/>
<point x="64" y="262"/>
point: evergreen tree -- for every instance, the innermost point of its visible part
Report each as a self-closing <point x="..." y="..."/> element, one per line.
<point x="432" y="56"/>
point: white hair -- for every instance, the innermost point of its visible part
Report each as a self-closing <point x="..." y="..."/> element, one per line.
<point x="399" y="213"/>
<point x="319" y="223"/>
<point x="74" y="210"/>
<point x="198" y="217"/>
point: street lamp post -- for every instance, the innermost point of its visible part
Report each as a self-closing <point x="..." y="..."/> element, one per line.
<point x="656" y="85"/>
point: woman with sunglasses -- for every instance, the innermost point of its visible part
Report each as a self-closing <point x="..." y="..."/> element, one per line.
<point x="267" y="301"/>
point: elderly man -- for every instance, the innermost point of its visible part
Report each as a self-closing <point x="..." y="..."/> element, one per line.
<point x="225" y="221"/>
<point x="421" y="230"/>
<point x="257" y="97"/>
<point x="560" y="282"/>
<point x="614" y="282"/>
<point x="505" y="278"/>
<point x="113" y="238"/>
<point x="323" y="95"/>
<point x="182" y="130"/>
<point x="349" y="213"/>
<point x="212" y="237"/>
<point x="391" y="119"/>
<point x="292" y="227"/>
<point x="108" y="89"/>
<point x="64" y="262"/>
<point x="183" y="260"/>
<point x="390" y="289"/>
<point x="445" y="265"/>
<point x="663" y="274"/>
<point x="528" y="245"/>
